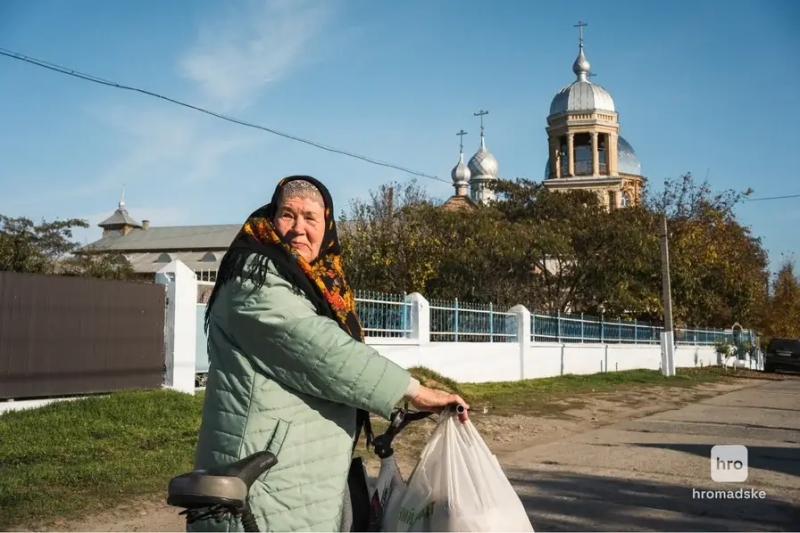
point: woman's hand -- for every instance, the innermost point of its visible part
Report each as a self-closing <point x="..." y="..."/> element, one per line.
<point x="435" y="400"/>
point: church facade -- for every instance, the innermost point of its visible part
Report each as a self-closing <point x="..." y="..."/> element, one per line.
<point x="585" y="149"/>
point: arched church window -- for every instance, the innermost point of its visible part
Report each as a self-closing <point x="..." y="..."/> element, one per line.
<point x="625" y="201"/>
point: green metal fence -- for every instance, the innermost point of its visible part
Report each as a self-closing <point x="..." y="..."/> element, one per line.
<point x="570" y="328"/>
<point x="389" y="315"/>
<point x="456" y="321"/>
<point x="384" y="315"/>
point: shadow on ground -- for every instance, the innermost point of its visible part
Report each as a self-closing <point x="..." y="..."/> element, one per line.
<point x="563" y="501"/>
<point x="771" y="458"/>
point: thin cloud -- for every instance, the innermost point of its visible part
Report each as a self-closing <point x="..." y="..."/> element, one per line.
<point x="167" y="151"/>
<point x="163" y="147"/>
<point x="236" y="57"/>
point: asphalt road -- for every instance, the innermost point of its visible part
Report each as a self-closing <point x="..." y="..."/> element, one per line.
<point x="641" y="475"/>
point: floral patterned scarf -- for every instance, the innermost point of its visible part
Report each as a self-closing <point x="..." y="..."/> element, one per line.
<point x="322" y="280"/>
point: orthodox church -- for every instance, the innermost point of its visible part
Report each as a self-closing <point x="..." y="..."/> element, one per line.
<point x="586" y="150"/>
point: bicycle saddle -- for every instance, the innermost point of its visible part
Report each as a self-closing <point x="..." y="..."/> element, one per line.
<point x="226" y="485"/>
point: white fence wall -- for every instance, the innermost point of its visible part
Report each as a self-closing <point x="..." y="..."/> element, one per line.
<point x="463" y="361"/>
<point x="490" y="361"/>
<point x="484" y="362"/>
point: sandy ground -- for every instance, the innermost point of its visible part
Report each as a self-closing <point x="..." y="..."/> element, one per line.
<point x="532" y="449"/>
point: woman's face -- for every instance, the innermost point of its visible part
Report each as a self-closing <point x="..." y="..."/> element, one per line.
<point x="301" y="221"/>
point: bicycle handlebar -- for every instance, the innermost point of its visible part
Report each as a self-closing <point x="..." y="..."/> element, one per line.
<point x="457" y="408"/>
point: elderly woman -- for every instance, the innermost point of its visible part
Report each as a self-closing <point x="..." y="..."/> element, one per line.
<point x="289" y="371"/>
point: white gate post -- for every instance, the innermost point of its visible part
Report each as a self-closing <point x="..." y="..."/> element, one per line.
<point x="523" y="335"/>
<point x="181" y="328"/>
<point x="420" y="318"/>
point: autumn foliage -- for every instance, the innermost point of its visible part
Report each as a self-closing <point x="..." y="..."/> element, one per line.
<point x="781" y="309"/>
<point x="563" y="251"/>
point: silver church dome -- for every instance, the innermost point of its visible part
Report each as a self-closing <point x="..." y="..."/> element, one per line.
<point x="581" y="95"/>
<point x="483" y="163"/>
<point x="460" y="173"/>
<point x="627" y="162"/>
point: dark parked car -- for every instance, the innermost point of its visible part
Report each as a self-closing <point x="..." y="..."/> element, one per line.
<point x="782" y="354"/>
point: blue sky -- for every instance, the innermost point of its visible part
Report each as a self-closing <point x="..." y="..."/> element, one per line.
<point x="703" y="86"/>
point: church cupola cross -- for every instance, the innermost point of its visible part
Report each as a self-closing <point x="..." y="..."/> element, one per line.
<point x="461" y="140"/>
<point x="580" y="25"/>
<point x="480" y="114"/>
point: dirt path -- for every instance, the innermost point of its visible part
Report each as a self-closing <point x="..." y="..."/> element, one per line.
<point x="652" y="473"/>
<point x="503" y="434"/>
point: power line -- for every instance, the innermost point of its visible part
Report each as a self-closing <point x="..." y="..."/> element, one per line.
<point x="115" y="85"/>
<point x="94" y="79"/>
<point x="785" y="197"/>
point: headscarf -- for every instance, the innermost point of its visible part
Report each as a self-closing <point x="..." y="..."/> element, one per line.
<point x="322" y="280"/>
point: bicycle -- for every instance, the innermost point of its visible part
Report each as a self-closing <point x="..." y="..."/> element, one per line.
<point x="223" y="491"/>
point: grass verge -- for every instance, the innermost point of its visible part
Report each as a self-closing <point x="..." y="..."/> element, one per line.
<point x="79" y="457"/>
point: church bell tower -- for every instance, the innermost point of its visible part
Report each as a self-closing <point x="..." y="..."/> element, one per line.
<point x="586" y="150"/>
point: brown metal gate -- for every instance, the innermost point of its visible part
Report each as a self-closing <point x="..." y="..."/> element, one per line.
<point x="63" y="336"/>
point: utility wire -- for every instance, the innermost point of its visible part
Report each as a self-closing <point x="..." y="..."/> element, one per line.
<point x="785" y="197"/>
<point x="94" y="79"/>
<point x="100" y="81"/>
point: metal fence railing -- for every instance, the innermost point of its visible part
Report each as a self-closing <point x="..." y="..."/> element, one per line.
<point x="558" y="327"/>
<point x="566" y="328"/>
<point x="384" y="315"/>
<point x="469" y="322"/>
<point x="389" y="316"/>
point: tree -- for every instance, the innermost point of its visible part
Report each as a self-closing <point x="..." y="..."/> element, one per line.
<point x="35" y="248"/>
<point x="47" y="248"/>
<point x="401" y="241"/>
<point x="481" y="258"/>
<point x="586" y="258"/>
<point x="781" y="312"/>
<point x="564" y="251"/>
<point x="386" y="243"/>
<point x="718" y="268"/>
<point x="87" y="264"/>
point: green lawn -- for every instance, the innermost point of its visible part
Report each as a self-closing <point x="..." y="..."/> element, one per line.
<point x="76" y="457"/>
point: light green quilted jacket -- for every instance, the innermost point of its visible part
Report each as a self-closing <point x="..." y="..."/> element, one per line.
<point x="287" y="380"/>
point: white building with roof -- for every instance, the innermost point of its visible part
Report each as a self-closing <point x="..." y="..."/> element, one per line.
<point x="148" y="249"/>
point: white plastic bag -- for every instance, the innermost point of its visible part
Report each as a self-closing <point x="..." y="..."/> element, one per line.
<point x="458" y="485"/>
